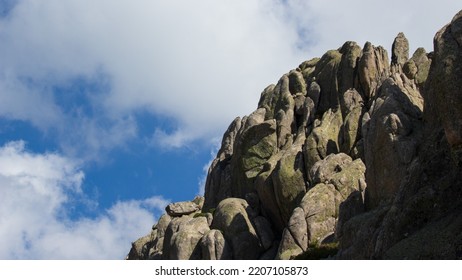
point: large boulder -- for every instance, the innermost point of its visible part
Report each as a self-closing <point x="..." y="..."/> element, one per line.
<point x="326" y="77"/>
<point x="288" y="247"/>
<point x="323" y="140"/>
<point x="392" y="136"/>
<point x="264" y="231"/>
<point x="254" y="147"/>
<point x="156" y="250"/>
<point x="215" y="247"/>
<point x="233" y="217"/>
<point x="218" y="182"/>
<point x="314" y="92"/>
<point x="373" y="68"/>
<point x="181" y="241"/>
<point x="418" y="67"/>
<point x="347" y="72"/>
<point x="295" y="236"/>
<point x="265" y="187"/>
<point x="139" y="250"/>
<point x="184" y="243"/>
<point x="307" y="68"/>
<point x="289" y="180"/>
<point x="399" y="52"/>
<point x="292" y="175"/>
<point x="335" y="179"/>
<point x="320" y="205"/>
<point x="296" y="82"/>
<point x="350" y="134"/>
<point x="178" y="209"/>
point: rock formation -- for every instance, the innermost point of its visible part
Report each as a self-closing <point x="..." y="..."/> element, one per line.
<point x="349" y="150"/>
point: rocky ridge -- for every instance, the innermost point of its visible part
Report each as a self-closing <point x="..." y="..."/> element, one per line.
<point x="349" y="149"/>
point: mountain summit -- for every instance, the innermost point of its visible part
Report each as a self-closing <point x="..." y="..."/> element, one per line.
<point x="349" y="156"/>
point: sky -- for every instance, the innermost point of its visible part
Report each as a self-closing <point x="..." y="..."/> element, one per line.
<point x="110" y="110"/>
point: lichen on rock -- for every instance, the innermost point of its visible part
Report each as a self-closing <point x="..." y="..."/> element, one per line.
<point x="350" y="152"/>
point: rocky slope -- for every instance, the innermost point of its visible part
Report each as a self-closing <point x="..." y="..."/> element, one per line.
<point x="348" y="151"/>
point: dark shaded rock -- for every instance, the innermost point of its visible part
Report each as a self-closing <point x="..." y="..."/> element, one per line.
<point x="289" y="180"/>
<point x="157" y="243"/>
<point x="264" y="231"/>
<point x="441" y="239"/>
<point x="296" y="83"/>
<point x="295" y="237"/>
<point x="358" y="236"/>
<point x="392" y="136"/>
<point x="352" y="206"/>
<point x="326" y="77"/>
<point x="218" y="182"/>
<point x="265" y="188"/>
<point x="271" y="253"/>
<point x="347" y="73"/>
<point x="215" y="247"/>
<point x="232" y="217"/>
<point x="314" y="92"/>
<point x="446" y="82"/>
<point x="288" y="248"/>
<point x="300" y="160"/>
<point x="253" y="149"/>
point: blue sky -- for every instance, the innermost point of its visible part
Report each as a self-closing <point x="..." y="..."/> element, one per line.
<point x="109" y="110"/>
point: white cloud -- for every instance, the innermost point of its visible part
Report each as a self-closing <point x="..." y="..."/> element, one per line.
<point x="331" y="23"/>
<point x="35" y="190"/>
<point x="177" y="139"/>
<point x="200" y="63"/>
<point x="24" y="103"/>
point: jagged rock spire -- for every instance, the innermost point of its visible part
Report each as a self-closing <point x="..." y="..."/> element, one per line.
<point x="400" y="50"/>
<point x="341" y="150"/>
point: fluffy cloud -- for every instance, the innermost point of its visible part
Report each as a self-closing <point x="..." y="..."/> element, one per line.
<point x="199" y="63"/>
<point x="36" y="192"/>
<point x="83" y="70"/>
<point x="330" y="23"/>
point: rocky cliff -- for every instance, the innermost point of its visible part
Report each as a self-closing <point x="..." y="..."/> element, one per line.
<point x="349" y="156"/>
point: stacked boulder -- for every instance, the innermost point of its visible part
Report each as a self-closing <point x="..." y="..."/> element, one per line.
<point x="235" y="230"/>
<point x="339" y="151"/>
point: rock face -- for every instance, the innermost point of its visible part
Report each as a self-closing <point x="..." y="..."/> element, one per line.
<point x="446" y="84"/>
<point x="392" y="132"/>
<point x="233" y="217"/>
<point x="349" y="150"/>
<point x="179" y="209"/>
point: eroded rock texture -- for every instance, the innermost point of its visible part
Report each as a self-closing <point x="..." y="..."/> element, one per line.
<point x="350" y="149"/>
